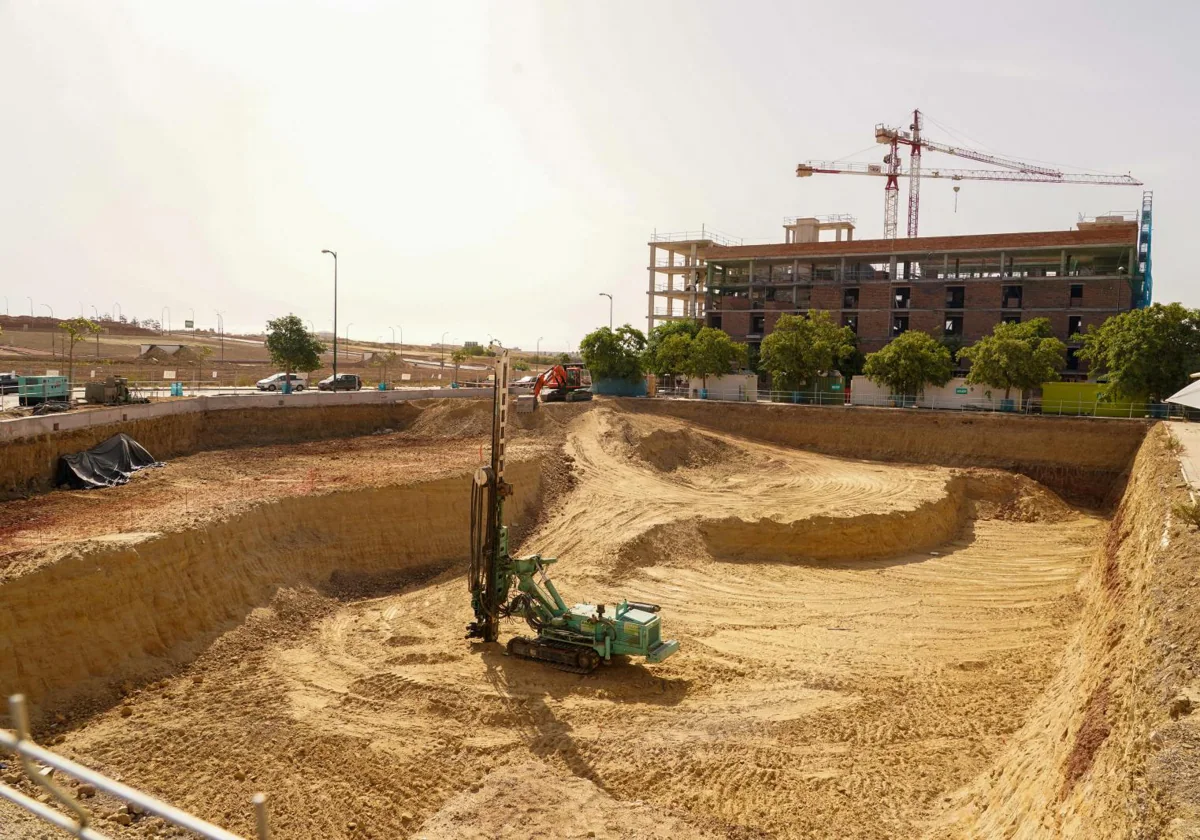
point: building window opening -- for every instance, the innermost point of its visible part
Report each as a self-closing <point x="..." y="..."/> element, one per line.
<point x="900" y="297"/>
<point x="1074" y="326"/>
<point x="714" y="321"/>
<point x="757" y="323"/>
<point x="850" y="321"/>
<point x="1011" y="319"/>
<point x="1072" y="359"/>
<point x="1011" y="297"/>
<point x="899" y="325"/>
<point x="956" y="297"/>
<point x="954" y="325"/>
<point x="850" y="299"/>
<point x="1076" y="294"/>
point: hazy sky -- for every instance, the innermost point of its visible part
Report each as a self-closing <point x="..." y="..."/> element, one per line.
<point x="489" y="168"/>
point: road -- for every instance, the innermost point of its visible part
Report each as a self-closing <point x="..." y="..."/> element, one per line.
<point x="10" y="400"/>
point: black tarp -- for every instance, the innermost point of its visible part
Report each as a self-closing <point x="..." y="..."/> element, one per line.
<point x="106" y="465"/>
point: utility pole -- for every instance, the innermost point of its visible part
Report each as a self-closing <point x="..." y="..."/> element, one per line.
<point x="442" y="352"/>
<point x="538" y="357"/>
<point x="607" y="295"/>
<point x="334" y="255"/>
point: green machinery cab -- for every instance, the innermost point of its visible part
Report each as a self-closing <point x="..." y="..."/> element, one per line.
<point x="574" y="638"/>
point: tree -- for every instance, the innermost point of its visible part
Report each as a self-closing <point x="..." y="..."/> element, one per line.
<point x="458" y="357"/>
<point x="202" y="353"/>
<point x="564" y="358"/>
<point x="614" y="354"/>
<point x="292" y="347"/>
<point x="383" y="359"/>
<point x="520" y="364"/>
<point x="667" y="329"/>
<point x="1019" y="356"/>
<point x="712" y="353"/>
<point x="1148" y="353"/>
<point x="77" y="329"/>
<point x="672" y="354"/>
<point x="910" y="362"/>
<point x="799" y="349"/>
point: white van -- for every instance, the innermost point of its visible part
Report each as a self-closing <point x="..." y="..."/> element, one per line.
<point x="275" y="381"/>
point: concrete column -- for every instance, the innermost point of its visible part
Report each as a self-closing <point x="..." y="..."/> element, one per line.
<point x="945" y="265"/>
<point x="695" y="278"/>
<point x="650" y="294"/>
<point x="841" y="268"/>
<point x="892" y="269"/>
<point x="1062" y="264"/>
<point x="1002" y="274"/>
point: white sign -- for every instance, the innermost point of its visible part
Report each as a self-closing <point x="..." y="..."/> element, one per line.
<point x="92" y="374"/>
<point x="404" y="377"/>
<point x="52" y="373"/>
<point x="168" y="374"/>
<point x="214" y="374"/>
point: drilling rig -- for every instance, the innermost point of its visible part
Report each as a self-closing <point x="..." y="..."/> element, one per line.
<point x="574" y="638"/>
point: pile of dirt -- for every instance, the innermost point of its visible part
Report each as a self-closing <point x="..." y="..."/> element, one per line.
<point x="451" y="419"/>
<point x="536" y="799"/>
<point x="671" y="450"/>
<point x="1014" y="498"/>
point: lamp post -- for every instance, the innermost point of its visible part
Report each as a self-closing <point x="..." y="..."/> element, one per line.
<point x="193" y="311"/>
<point x="95" y="312"/>
<point x="334" y="255"/>
<point x="539" y="351"/>
<point x="117" y="313"/>
<point x="30" y="306"/>
<point x="442" y="352"/>
<point x="53" y="343"/>
<point x="607" y="295"/>
<point x="221" y="332"/>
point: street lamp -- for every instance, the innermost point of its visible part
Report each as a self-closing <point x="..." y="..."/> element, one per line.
<point x="51" y="308"/>
<point x="334" y="255"/>
<point x="95" y="312"/>
<point x="193" y="311"/>
<point x="607" y="295"/>
<point x="539" y="351"/>
<point x="442" y="350"/>
<point x="221" y="331"/>
<point x="117" y="313"/>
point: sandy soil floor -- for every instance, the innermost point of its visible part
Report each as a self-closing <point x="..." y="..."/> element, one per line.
<point x="846" y="699"/>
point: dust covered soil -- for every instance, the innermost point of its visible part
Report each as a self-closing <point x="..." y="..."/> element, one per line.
<point x="844" y="681"/>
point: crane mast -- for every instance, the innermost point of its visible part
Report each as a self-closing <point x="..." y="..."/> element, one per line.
<point x="1009" y="170"/>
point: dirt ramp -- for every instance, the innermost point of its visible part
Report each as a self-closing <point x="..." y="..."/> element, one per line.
<point x="669" y="450"/>
<point x="866" y="536"/>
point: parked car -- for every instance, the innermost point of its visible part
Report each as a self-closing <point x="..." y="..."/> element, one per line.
<point x="8" y="383"/>
<point x="275" y="381"/>
<point x="345" y="382"/>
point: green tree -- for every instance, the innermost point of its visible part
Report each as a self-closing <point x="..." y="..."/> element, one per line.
<point x="661" y="332"/>
<point x="520" y="364"/>
<point x="459" y="356"/>
<point x="799" y="349"/>
<point x="614" y="354"/>
<point x="77" y="329"/>
<point x="712" y="353"/>
<point x="672" y="354"/>
<point x="1018" y="356"/>
<point x="1148" y="353"/>
<point x="201" y="354"/>
<point x="910" y="362"/>
<point x="564" y="358"/>
<point x="292" y="347"/>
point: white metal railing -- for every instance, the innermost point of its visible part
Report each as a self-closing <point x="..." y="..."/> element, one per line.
<point x="78" y="820"/>
<point x="704" y="233"/>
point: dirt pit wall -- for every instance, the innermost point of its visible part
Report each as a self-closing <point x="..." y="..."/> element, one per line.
<point x="1108" y="749"/>
<point x="1081" y="459"/>
<point x="130" y="606"/>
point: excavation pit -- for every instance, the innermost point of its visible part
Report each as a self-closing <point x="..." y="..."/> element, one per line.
<point x="870" y="645"/>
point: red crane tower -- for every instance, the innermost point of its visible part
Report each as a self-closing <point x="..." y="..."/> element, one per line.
<point x="1010" y="170"/>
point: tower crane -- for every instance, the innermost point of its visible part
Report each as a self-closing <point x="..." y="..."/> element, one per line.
<point x="1009" y="170"/>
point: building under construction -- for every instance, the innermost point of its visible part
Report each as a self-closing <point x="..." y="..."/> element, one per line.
<point x="953" y="287"/>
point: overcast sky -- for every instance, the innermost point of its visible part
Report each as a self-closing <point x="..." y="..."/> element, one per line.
<point x="490" y="168"/>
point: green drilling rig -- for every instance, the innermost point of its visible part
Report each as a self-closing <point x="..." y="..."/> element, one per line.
<point x="574" y="638"/>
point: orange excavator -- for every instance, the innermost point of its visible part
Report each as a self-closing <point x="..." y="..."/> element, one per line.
<point x="564" y="383"/>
